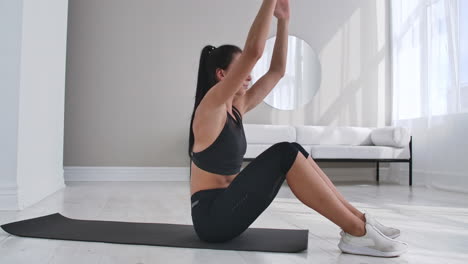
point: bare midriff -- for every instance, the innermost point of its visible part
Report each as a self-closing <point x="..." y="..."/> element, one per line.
<point x="202" y="180"/>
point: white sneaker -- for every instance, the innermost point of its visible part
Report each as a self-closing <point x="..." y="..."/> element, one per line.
<point x="388" y="231"/>
<point x="373" y="243"/>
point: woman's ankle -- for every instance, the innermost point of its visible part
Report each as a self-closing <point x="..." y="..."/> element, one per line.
<point x="361" y="216"/>
<point x="358" y="230"/>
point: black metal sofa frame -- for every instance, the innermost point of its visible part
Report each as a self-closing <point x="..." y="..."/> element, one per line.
<point x="377" y="161"/>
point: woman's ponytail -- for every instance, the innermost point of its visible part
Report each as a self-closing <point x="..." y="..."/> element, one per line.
<point x="211" y="58"/>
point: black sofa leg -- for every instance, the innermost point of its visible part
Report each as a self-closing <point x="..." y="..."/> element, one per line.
<point x="411" y="161"/>
<point x="377" y="177"/>
<point x="411" y="172"/>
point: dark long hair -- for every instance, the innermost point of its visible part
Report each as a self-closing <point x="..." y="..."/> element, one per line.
<point x="211" y="59"/>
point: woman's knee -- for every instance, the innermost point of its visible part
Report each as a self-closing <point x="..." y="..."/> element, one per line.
<point x="286" y="146"/>
<point x="301" y="149"/>
<point x="288" y="153"/>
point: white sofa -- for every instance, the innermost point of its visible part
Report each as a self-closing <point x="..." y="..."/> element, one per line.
<point x="336" y="143"/>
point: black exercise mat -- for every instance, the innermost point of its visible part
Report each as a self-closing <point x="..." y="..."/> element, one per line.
<point x="57" y="226"/>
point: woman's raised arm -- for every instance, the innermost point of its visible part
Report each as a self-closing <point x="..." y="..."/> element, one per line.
<point x="253" y="50"/>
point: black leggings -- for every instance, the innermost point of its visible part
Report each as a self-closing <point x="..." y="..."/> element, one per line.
<point x="224" y="213"/>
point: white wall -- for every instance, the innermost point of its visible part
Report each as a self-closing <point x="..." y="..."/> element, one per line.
<point x="132" y="69"/>
<point x="10" y="51"/>
<point x="33" y="125"/>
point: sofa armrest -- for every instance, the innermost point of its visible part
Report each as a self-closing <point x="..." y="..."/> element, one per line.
<point x="398" y="137"/>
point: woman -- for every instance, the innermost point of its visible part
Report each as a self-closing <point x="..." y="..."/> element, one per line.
<point x="225" y="200"/>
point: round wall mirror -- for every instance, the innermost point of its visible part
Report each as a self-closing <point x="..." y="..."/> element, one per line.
<point x="302" y="78"/>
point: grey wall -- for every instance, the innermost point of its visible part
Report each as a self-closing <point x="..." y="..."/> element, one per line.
<point x="132" y="68"/>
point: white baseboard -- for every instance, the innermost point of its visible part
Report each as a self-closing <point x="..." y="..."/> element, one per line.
<point x="9" y="197"/>
<point x="28" y="199"/>
<point x="126" y="173"/>
<point x="11" y="200"/>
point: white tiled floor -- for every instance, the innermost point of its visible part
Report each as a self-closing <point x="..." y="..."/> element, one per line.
<point x="433" y="222"/>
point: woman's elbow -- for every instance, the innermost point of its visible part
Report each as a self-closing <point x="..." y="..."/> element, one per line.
<point x="278" y="72"/>
<point x="253" y="52"/>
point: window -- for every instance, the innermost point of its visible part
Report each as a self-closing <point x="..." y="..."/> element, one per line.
<point x="429" y="57"/>
<point x="463" y="59"/>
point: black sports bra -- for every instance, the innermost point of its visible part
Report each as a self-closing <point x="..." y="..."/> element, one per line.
<point x="225" y="155"/>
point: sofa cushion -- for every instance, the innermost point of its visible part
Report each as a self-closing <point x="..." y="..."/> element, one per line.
<point x="269" y="134"/>
<point x="357" y="152"/>
<point x="390" y="136"/>
<point x="340" y="151"/>
<point x="329" y="135"/>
